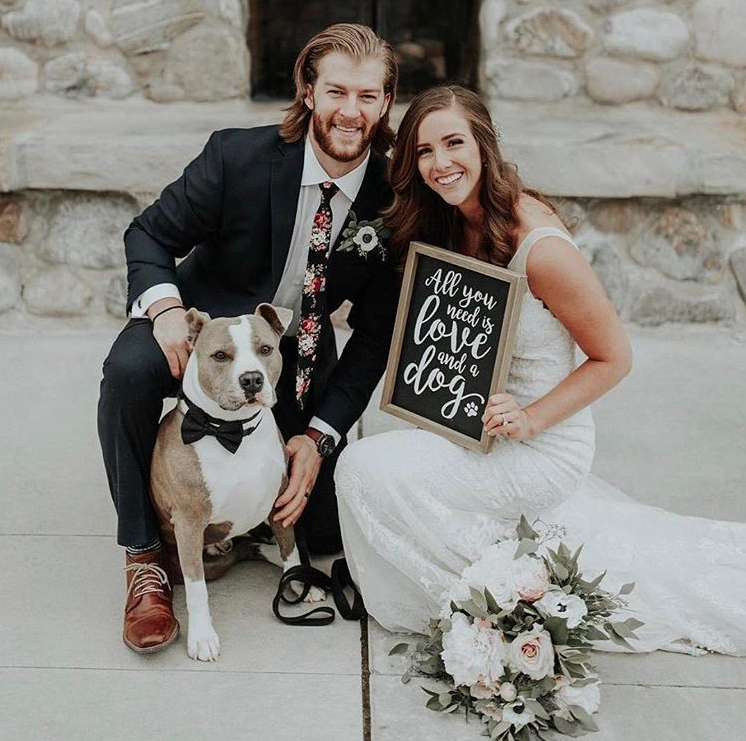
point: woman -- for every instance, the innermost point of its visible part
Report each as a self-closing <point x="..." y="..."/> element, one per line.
<point x="415" y="509"/>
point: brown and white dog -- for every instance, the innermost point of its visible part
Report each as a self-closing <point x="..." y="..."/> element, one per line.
<point x="219" y="461"/>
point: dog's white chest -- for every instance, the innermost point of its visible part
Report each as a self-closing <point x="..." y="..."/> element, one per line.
<point x="244" y="485"/>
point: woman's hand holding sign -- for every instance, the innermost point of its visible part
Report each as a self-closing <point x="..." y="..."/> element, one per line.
<point x="503" y="416"/>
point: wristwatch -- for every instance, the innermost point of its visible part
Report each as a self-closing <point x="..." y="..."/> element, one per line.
<point x="324" y="443"/>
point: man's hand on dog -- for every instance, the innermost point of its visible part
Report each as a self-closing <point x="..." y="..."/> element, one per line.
<point x="305" y="463"/>
<point x="171" y="332"/>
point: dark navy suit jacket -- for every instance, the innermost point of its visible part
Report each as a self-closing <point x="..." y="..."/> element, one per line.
<point x="231" y="216"/>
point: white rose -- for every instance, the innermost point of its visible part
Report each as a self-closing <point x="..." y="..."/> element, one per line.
<point x="518" y="714"/>
<point x="558" y="604"/>
<point x="472" y="655"/>
<point x="366" y="238"/>
<point x="482" y="691"/>
<point x="532" y="653"/>
<point x="588" y="697"/>
<point x="493" y="571"/>
<point x="508" y="691"/>
<point x="531" y="578"/>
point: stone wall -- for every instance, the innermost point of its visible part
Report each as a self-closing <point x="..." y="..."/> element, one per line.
<point x="166" y="50"/>
<point x="660" y="259"/>
<point x="688" y="55"/>
<point x="61" y="255"/>
<point x="665" y="261"/>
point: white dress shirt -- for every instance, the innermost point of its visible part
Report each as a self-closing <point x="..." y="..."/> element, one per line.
<point x="289" y="291"/>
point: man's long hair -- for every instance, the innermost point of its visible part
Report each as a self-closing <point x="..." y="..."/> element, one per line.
<point x="358" y="42"/>
<point x="418" y="213"/>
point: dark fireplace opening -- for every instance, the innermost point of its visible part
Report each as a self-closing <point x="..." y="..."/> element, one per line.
<point x="436" y="41"/>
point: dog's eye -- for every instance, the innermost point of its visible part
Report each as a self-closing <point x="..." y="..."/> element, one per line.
<point x="220" y="356"/>
<point x="265" y="349"/>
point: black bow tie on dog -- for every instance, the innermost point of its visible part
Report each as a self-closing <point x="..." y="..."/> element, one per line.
<point x="198" y="423"/>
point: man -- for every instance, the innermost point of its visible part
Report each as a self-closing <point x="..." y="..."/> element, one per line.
<point x="242" y="215"/>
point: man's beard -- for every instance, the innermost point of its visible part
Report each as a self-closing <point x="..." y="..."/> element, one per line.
<point x="323" y="135"/>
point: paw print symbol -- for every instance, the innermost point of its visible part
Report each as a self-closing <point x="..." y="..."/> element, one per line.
<point x="471" y="409"/>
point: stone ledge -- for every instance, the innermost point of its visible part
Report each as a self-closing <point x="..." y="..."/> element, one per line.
<point x="572" y="149"/>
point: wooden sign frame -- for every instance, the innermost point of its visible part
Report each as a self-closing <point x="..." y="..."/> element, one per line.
<point x="506" y="341"/>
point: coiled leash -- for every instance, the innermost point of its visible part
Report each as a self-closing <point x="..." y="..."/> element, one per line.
<point x="308" y="577"/>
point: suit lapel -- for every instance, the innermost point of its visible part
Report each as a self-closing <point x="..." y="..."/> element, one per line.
<point x="287" y="169"/>
<point x="368" y="201"/>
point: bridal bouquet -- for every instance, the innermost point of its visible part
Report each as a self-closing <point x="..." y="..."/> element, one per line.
<point x="513" y="642"/>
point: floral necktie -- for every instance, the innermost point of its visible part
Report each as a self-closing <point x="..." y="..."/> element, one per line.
<point x="313" y="299"/>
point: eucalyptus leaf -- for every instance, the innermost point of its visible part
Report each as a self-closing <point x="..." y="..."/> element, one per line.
<point x="536" y="707"/>
<point x="616" y="637"/>
<point x="501" y="727"/>
<point x="576" y="555"/>
<point x="584" y="682"/>
<point x="557" y="628"/>
<point x="433" y="704"/>
<point x="622" y="630"/>
<point x="478" y="599"/>
<point x="474" y="609"/>
<point x="595" y="582"/>
<point x="575" y="671"/>
<point x="633" y="623"/>
<point x="524" y="530"/>
<point x="594" y="634"/>
<point x="561" y="572"/>
<point x="491" y="603"/>
<point x="579" y="658"/>
<point x="524" y="547"/>
<point x="627" y="588"/>
<point x="400" y="648"/>
<point x="583" y="718"/>
<point x="569" y="729"/>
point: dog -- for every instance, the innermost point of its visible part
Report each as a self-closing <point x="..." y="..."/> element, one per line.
<point x="219" y="461"/>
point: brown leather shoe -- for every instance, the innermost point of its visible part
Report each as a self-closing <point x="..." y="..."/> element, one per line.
<point x="149" y="621"/>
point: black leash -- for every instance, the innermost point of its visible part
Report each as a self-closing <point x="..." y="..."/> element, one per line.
<point x="308" y="577"/>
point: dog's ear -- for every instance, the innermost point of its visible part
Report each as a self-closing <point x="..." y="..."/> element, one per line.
<point x="195" y="320"/>
<point x="277" y="317"/>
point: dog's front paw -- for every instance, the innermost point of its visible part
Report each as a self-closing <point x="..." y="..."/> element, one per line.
<point x="315" y="594"/>
<point x="203" y="643"/>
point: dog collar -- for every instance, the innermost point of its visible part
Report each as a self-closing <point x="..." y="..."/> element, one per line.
<point x="197" y="423"/>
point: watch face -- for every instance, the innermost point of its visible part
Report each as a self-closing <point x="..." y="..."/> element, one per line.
<point x="326" y="445"/>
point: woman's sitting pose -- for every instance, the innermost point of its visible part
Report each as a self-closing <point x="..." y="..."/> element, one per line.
<point x="416" y="509"/>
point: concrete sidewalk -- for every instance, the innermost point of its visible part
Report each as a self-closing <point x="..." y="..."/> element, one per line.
<point x="672" y="434"/>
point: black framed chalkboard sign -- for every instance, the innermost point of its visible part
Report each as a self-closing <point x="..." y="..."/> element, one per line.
<point x="452" y="344"/>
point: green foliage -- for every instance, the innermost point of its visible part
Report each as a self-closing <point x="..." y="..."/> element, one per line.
<point x="572" y="646"/>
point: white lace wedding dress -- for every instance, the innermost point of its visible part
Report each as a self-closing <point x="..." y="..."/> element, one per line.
<point x="415" y="509"/>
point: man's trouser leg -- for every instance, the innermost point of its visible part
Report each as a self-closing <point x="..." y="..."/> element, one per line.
<point x="320" y="519"/>
<point x="135" y="381"/>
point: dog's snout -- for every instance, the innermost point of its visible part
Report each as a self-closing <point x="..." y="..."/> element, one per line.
<point x="251" y="381"/>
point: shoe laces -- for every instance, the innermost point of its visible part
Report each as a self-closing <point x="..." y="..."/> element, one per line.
<point x="147" y="578"/>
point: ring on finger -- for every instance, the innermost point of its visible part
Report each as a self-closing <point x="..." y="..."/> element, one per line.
<point x="503" y="420"/>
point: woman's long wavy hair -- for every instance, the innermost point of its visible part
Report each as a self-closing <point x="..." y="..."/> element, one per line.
<point x="417" y="213"/>
<point x="358" y="42"/>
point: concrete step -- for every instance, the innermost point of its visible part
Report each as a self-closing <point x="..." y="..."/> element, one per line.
<point x="569" y="148"/>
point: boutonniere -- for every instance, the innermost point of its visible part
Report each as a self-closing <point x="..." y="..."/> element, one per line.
<point x="365" y="237"/>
